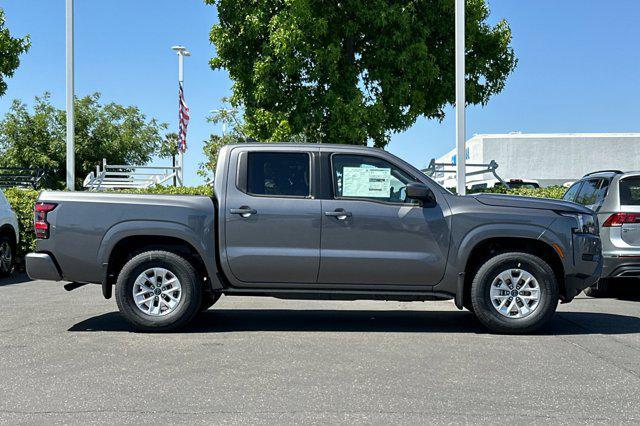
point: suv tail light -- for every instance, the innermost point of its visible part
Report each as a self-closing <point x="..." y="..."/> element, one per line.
<point x="40" y="219"/>
<point x="618" y="219"/>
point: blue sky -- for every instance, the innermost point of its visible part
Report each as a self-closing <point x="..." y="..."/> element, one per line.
<point x="578" y="71"/>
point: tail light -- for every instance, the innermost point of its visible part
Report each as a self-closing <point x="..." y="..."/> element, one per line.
<point x="618" y="219"/>
<point x="40" y="219"/>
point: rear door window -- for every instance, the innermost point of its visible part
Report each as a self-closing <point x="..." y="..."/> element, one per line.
<point x="278" y="174"/>
<point x="630" y="191"/>
<point x="572" y="192"/>
<point x="592" y="193"/>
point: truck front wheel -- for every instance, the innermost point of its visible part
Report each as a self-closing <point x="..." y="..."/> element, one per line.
<point x="158" y="291"/>
<point x="514" y="293"/>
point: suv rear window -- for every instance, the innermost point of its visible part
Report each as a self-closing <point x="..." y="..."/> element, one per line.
<point x="630" y="191"/>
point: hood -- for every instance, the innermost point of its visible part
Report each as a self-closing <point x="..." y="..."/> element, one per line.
<point x="530" y="203"/>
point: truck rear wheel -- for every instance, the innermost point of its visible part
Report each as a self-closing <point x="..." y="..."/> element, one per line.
<point x="514" y="293"/>
<point x="158" y="291"/>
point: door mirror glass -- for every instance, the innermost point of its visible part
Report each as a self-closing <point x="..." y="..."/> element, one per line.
<point x="421" y="192"/>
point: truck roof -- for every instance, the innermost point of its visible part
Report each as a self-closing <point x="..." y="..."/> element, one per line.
<point x="305" y="145"/>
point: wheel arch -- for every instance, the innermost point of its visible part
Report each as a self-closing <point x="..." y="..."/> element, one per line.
<point x="122" y="242"/>
<point x="487" y="248"/>
<point x="8" y="230"/>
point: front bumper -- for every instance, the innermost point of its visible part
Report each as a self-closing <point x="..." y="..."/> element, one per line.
<point x="41" y="266"/>
<point x="588" y="265"/>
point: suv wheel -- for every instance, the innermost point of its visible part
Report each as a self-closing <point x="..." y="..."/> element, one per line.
<point x="601" y="289"/>
<point x="6" y="256"/>
<point x="514" y="293"/>
<point x="158" y="291"/>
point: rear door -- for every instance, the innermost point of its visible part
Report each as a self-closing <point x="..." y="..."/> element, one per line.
<point x="272" y="219"/>
<point x="371" y="233"/>
<point x="630" y="204"/>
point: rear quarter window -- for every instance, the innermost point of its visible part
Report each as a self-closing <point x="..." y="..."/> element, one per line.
<point x="630" y="191"/>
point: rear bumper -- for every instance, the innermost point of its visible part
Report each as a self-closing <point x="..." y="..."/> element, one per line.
<point x="41" y="266"/>
<point x="621" y="266"/>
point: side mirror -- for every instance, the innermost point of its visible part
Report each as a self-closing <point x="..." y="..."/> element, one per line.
<point x="420" y="191"/>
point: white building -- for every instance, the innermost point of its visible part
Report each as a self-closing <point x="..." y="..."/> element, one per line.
<point x="551" y="159"/>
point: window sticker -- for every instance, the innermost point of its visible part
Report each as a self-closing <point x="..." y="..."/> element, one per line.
<point x="366" y="182"/>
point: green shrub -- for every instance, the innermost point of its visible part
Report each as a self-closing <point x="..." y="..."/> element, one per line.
<point x="22" y="201"/>
<point x="548" y="192"/>
<point x="172" y="190"/>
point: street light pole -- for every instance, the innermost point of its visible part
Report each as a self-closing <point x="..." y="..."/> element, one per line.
<point x="182" y="52"/>
<point x="71" y="157"/>
<point x="460" y="99"/>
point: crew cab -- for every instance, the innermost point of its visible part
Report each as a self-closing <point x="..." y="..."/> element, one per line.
<point x="319" y="221"/>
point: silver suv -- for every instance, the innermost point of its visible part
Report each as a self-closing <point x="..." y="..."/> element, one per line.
<point x="615" y="197"/>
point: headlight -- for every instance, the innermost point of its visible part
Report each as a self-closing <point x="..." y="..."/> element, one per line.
<point x="586" y="223"/>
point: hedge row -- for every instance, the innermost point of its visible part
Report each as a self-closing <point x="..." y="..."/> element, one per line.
<point x="22" y="201"/>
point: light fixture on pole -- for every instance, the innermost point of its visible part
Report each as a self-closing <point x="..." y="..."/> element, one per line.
<point x="71" y="157"/>
<point x="461" y="154"/>
<point x="182" y="52"/>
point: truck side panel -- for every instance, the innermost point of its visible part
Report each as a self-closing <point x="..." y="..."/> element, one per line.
<point x="86" y="226"/>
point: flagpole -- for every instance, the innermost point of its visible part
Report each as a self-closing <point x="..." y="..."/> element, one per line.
<point x="182" y="52"/>
<point x="461" y="156"/>
<point x="71" y="160"/>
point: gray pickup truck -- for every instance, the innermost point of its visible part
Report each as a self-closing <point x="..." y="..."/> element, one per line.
<point x="319" y="222"/>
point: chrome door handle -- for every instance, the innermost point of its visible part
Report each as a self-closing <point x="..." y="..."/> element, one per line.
<point x="244" y="211"/>
<point x="339" y="214"/>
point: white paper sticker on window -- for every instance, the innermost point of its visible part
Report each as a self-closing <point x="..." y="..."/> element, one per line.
<point x="366" y="182"/>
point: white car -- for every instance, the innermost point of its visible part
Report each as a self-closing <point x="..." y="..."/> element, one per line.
<point x="9" y="236"/>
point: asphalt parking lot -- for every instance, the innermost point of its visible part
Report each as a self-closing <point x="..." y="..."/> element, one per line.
<point x="71" y="358"/>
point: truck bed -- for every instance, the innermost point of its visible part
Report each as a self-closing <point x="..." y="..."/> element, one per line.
<point x="85" y="227"/>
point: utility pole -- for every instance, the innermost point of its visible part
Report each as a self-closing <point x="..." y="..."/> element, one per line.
<point x="71" y="156"/>
<point x="182" y="52"/>
<point x="460" y="99"/>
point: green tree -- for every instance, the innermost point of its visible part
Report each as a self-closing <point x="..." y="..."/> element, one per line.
<point x="10" y="51"/>
<point x="353" y="71"/>
<point x="36" y="138"/>
<point x="230" y="120"/>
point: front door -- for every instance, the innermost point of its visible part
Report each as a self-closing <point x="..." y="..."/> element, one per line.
<point x="272" y="221"/>
<point x="372" y="234"/>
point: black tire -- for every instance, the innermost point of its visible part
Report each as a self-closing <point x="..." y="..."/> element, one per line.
<point x="190" y="298"/>
<point x="7" y="256"/>
<point x="208" y="300"/>
<point x="601" y="289"/>
<point x="499" y="323"/>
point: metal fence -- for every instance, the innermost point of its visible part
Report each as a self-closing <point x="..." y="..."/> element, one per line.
<point x="21" y="177"/>
<point x="117" y="176"/>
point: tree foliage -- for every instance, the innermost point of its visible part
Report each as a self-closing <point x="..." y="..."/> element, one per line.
<point x="353" y="71"/>
<point x="10" y="50"/>
<point x="229" y="118"/>
<point x="36" y="138"/>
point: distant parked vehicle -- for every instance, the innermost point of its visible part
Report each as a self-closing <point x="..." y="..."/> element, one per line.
<point x="615" y="197"/>
<point x="512" y="183"/>
<point x="8" y="236"/>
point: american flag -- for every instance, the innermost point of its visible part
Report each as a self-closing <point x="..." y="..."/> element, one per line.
<point x="184" y="121"/>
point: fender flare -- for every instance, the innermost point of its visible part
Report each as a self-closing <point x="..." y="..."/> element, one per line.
<point x="203" y="244"/>
<point x="498" y="230"/>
